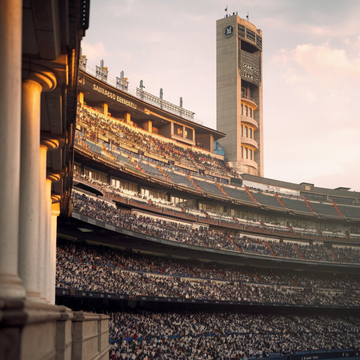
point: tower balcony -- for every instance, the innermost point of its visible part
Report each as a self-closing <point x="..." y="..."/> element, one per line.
<point x="248" y="167"/>
<point x="248" y="141"/>
<point x="248" y="100"/>
<point x="248" y="120"/>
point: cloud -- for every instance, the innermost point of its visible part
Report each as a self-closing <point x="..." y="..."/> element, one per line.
<point x="319" y="131"/>
<point x="321" y="61"/>
<point x="95" y="52"/>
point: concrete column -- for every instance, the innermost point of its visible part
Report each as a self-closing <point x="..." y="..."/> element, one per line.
<point x="45" y="220"/>
<point x="32" y="190"/>
<point x="29" y="188"/>
<point x="10" y="102"/>
<point x="148" y="126"/>
<point x="81" y="98"/>
<point x="48" y="259"/>
<point x="105" y="107"/>
<point x="55" y="212"/>
<point x="50" y="243"/>
<point x="127" y="117"/>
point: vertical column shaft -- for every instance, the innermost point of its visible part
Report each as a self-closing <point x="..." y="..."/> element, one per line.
<point x="48" y="274"/>
<point x="10" y="100"/>
<point x="29" y="188"/>
<point x="55" y="212"/>
<point x="43" y="222"/>
<point x="45" y="240"/>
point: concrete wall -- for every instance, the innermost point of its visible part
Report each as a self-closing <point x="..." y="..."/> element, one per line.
<point x="39" y="331"/>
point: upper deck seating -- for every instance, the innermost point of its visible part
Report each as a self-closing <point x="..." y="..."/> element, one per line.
<point x="209" y="187"/>
<point x="324" y="209"/>
<point x="266" y="199"/>
<point x="296" y="205"/>
<point x="237" y="193"/>
<point x="350" y="211"/>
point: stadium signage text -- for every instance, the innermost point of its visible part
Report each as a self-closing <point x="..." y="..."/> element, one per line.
<point x="114" y="97"/>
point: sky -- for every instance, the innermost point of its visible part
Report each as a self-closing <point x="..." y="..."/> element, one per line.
<point x="311" y="72"/>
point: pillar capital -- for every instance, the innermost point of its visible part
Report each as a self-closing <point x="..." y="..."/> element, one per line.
<point x="40" y="74"/>
<point x="50" y="142"/>
<point x="55" y="198"/>
<point x="54" y="177"/>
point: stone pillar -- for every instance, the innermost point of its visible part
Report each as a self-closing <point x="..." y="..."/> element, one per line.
<point x="10" y="125"/>
<point x="148" y="126"/>
<point x="105" y="107"/>
<point x="47" y="278"/>
<point x="32" y="190"/>
<point x="127" y="118"/>
<point x="29" y="188"/>
<point x="52" y="212"/>
<point x="81" y="98"/>
<point x="45" y="220"/>
<point x="55" y="212"/>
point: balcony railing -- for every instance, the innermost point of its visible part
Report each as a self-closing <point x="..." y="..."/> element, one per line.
<point x="246" y="97"/>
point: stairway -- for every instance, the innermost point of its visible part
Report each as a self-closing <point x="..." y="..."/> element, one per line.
<point x="334" y="255"/>
<point x="234" y="243"/>
<point x="139" y="168"/>
<point x="251" y="195"/>
<point x="166" y="177"/>
<point x="222" y="190"/>
<point x="270" y="248"/>
<point x="298" y="251"/>
<point x="279" y="200"/>
<point x="308" y="204"/>
<point x="336" y="208"/>
<point x="198" y="188"/>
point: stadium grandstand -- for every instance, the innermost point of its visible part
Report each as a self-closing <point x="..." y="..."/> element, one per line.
<point x="190" y="258"/>
<point x="141" y="238"/>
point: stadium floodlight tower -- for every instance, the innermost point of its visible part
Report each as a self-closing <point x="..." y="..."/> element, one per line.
<point x="239" y="93"/>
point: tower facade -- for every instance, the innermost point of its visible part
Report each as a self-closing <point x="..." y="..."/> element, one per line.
<point x="239" y="99"/>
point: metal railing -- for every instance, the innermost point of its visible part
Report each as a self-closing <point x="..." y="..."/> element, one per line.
<point x="147" y="97"/>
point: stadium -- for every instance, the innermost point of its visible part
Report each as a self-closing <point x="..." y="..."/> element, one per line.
<point x="169" y="233"/>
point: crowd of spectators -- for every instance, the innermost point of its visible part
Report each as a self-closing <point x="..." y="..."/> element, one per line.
<point x="127" y="141"/>
<point x="185" y="233"/>
<point x="103" y="269"/>
<point x="157" y="227"/>
<point x="224" y="217"/>
<point x="95" y="124"/>
<point x="146" y="335"/>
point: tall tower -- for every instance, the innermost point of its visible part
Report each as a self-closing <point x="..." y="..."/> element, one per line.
<point x="239" y="93"/>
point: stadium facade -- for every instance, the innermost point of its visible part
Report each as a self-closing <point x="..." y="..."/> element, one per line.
<point x="147" y="180"/>
<point x="158" y="203"/>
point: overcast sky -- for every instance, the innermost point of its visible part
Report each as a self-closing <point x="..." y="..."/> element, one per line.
<point x="311" y="72"/>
